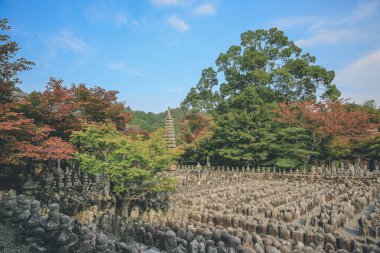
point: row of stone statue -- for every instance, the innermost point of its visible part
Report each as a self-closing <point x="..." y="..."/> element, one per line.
<point x="74" y="191"/>
<point x="61" y="180"/>
<point x="350" y="171"/>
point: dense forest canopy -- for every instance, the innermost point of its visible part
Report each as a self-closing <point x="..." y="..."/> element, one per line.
<point x="149" y="121"/>
<point x="275" y="107"/>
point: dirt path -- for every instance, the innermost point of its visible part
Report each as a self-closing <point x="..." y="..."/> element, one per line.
<point x="352" y="227"/>
<point x="8" y="243"/>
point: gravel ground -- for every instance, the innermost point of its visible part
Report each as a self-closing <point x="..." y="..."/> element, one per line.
<point x="8" y="243"/>
<point x="352" y="227"/>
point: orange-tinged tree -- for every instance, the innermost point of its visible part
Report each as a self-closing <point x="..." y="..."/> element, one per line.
<point x="332" y="126"/>
<point x="195" y="130"/>
<point x="54" y="107"/>
<point x="22" y="140"/>
<point x="67" y="109"/>
<point x="99" y="105"/>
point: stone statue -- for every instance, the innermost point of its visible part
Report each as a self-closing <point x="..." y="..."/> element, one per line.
<point x="51" y="224"/>
<point x="65" y="238"/>
<point x="8" y="203"/>
<point x="33" y="230"/>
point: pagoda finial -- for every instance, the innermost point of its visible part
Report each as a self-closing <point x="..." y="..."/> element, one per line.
<point x="169" y="115"/>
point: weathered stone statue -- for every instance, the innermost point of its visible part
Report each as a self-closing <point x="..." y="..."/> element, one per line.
<point x="51" y="224"/>
<point x="60" y="177"/>
<point x="22" y="210"/>
<point x="48" y="182"/>
<point x="32" y="229"/>
<point x="29" y="187"/>
<point x="65" y="238"/>
<point x="85" y="242"/>
<point x="101" y="244"/>
<point x="8" y="203"/>
<point x="170" y="241"/>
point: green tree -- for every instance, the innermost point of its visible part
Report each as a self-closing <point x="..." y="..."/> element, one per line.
<point x="132" y="165"/>
<point x="266" y="59"/>
<point x="203" y="98"/>
<point x="291" y="149"/>
<point x="264" y="70"/>
<point x="148" y="122"/>
<point x="9" y="67"/>
<point x="373" y="148"/>
<point x="243" y="134"/>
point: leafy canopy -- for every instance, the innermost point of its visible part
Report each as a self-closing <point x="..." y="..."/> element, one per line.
<point x="21" y="139"/>
<point x="9" y="67"/>
<point x="243" y="133"/>
<point x="264" y="70"/>
<point x="266" y="59"/>
<point x="332" y="126"/>
<point x="203" y="98"/>
<point x="65" y="109"/>
<point x="132" y="164"/>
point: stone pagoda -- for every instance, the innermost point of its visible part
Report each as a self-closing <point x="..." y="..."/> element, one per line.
<point x="169" y="130"/>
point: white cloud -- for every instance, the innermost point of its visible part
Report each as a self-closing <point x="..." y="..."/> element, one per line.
<point x="121" y="20"/>
<point x="176" y="90"/>
<point x="133" y="72"/>
<point x="65" y="42"/>
<point x="317" y="25"/>
<point x="361" y="78"/>
<point x="205" y="9"/>
<point x="362" y="11"/>
<point x="164" y="2"/>
<point x="96" y="12"/>
<point x="328" y="37"/>
<point x="177" y="23"/>
<point x="338" y="29"/>
<point x="118" y="66"/>
<point x="68" y="41"/>
<point x="108" y="12"/>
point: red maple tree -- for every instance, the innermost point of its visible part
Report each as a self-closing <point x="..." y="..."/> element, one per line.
<point x="332" y="122"/>
<point x="70" y="109"/>
<point x="21" y="139"/>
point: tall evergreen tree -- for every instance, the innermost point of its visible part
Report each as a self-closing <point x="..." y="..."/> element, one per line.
<point x="243" y="134"/>
<point x="268" y="59"/>
<point x="264" y="70"/>
<point x="9" y="67"/>
<point x="203" y="98"/>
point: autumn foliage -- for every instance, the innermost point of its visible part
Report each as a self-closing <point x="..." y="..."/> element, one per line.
<point x="326" y="119"/>
<point x="196" y="128"/>
<point x="38" y="127"/>
<point x="333" y="124"/>
<point x="22" y="139"/>
<point x="69" y="109"/>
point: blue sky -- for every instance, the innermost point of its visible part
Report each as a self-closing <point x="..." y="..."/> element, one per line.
<point x="153" y="51"/>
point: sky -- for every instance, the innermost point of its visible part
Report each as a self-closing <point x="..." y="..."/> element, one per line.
<point x="153" y="51"/>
